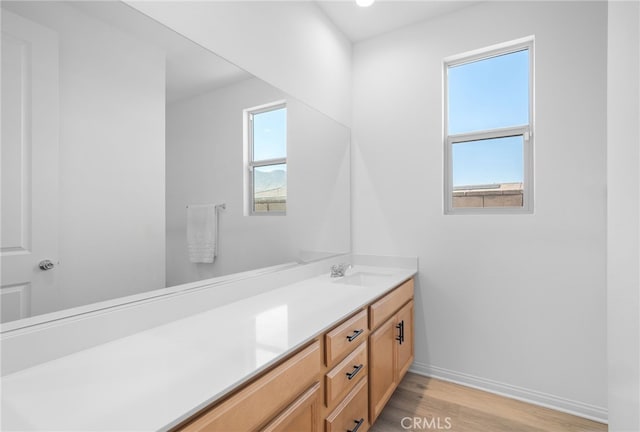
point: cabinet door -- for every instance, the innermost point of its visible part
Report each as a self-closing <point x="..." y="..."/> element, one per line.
<point x="382" y="367"/>
<point x="302" y="415"/>
<point x="404" y="319"/>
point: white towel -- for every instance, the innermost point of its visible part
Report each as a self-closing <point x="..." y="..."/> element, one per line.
<point x="201" y="232"/>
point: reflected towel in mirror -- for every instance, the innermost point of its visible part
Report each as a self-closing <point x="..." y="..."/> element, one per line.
<point x="201" y="232"/>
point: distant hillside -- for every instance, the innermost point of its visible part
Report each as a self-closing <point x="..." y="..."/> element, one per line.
<point x="264" y="181"/>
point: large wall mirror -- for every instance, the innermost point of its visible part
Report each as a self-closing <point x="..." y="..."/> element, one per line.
<point x="118" y="138"/>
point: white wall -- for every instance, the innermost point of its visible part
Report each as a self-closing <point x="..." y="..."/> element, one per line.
<point x="205" y="165"/>
<point x="291" y="45"/>
<point x="111" y="158"/>
<point x="623" y="217"/>
<point x="510" y="303"/>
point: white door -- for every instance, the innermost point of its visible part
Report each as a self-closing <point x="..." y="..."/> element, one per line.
<point x="29" y="168"/>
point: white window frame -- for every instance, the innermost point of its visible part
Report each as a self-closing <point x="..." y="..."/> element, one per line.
<point x="526" y="131"/>
<point x="250" y="164"/>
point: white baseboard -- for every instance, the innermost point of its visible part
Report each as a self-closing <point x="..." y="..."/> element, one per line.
<point x="546" y="400"/>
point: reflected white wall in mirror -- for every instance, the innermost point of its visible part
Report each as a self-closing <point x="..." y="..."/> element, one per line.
<point x="127" y="124"/>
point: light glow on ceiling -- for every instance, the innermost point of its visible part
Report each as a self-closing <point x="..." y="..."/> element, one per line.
<point x="364" y="3"/>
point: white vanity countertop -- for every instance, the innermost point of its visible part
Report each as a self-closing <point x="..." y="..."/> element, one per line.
<point x="155" y="379"/>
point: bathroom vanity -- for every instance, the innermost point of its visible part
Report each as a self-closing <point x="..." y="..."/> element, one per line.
<point x="342" y="378"/>
<point x="299" y="350"/>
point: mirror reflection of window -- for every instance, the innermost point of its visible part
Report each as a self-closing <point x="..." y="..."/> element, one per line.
<point x="268" y="159"/>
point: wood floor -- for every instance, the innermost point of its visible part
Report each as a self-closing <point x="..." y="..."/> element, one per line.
<point x="440" y="405"/>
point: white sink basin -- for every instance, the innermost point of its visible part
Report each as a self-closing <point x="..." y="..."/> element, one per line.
<point x="363" y="278"/>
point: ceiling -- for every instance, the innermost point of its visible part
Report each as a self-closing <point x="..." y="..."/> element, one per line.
<point x="383" y="16"/>
<point x="192" y="69"/>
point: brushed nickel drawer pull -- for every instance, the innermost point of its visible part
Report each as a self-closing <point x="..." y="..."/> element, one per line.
<point x="355" y="371"/>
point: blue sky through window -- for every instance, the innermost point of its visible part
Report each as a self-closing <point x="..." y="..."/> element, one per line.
<point x="270" y="134"/>
<point x="492" y="161"/>
<point x="488" y="94"/>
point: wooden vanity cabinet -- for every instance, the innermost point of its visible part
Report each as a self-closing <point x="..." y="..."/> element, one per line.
<point x="390" y="346"/>
<point x="339" y="382"/>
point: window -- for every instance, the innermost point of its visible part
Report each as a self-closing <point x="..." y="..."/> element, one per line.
<point x="489" y="130"/>
<point x="266" y="136"/>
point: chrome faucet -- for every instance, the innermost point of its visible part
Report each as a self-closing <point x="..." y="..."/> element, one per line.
<point x="337" y="270"/>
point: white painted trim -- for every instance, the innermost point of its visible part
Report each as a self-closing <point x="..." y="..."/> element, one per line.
<point x="491" y="51"/>
<point x="558" y="403"/>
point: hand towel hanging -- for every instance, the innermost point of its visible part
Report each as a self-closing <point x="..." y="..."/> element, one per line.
<point x="201" y="232"/>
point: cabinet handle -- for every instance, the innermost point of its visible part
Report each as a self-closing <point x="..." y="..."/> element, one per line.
<point x="354" y="372"/>
<point x="355" y="334"/>
<point x="400" y="327"/>
<point x="358" y="424"/>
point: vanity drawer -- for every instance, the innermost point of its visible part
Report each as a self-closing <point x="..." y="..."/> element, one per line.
<point x="344" y="377"/>
<point x="389" y="304"/>
<point x="345" y="337"/>
<point x="264" y="398"/>
<point x="351" y="412"/>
